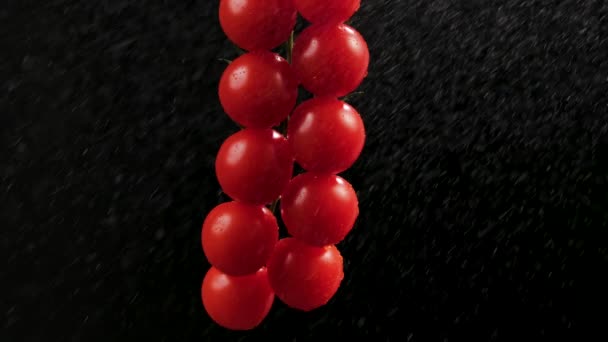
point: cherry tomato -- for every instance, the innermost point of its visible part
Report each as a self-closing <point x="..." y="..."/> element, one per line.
<point x="330" y="59"/>
<point x="254" y="165"/>
<point x="304" y="277"/>
<point x="327" y="11"/>
<point x="237" y="303"/>
<point x="326" y="135"/>
<point x="238" y="238"/>
<point x="257" y="24"/>
<point x="319" y="209"/>
<point x="258" y="89"/>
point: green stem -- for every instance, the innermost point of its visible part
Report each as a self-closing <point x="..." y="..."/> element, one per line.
<point x="351" y="95"/>
<point x="283" y="126"/>
<point x="273" y="206"/>
<point x="288" y="53"/>
<point x="290" y="47"/>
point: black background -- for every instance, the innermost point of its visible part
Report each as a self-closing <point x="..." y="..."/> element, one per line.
<point x="483" y="184"/>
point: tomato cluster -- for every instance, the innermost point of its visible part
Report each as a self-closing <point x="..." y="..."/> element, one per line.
<point x="254" y="166"/>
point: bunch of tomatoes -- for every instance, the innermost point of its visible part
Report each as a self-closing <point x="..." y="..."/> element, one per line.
<point x="255" y="166"/>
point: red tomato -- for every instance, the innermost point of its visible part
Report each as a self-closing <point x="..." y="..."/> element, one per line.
<point x="237" y="303"/>
<point x="254" y="165"/>
<point x="319" y="209"/>
<point x="327" y="11"/>
<point x="257" y="24"/>
<point x="304" y="277"/>
<point x="330" y="60"/>
<point x="326" y="135"/>
<point x="258" y="89"/>
<point x="238" y="238"/>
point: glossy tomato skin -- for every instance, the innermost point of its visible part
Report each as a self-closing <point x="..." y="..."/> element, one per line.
<point x="237" y="303"/>
<point x="305" y="277"/>
<point x="238" y="238"/>
<point x="319" y="209"/>
<point x="258" y="89"/>
<point x="257" y="24"/>
<point x="326" y="135"/>
<point x="327" y="11"/>
<point x="254" y="165"/>
<point x="330" y="60"/>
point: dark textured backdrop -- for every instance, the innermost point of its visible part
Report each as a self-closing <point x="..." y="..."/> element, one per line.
<point x="483" y="184"/>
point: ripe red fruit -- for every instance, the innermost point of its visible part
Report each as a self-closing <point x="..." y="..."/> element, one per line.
<point x="327" y="11"/>
<point x="319" y="209"/>
<point x="326" y="135"/>
<point x="257" y="24"/>
<point x="254" y="165"/>
<point x="330" y="60"/>
<point x="237" y="303"/>
<point x="238" y="238"/>
<point x="304" y="277"/>
<point x="258" y="89"/>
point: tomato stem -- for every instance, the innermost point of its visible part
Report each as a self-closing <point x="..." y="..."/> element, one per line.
<point x="288" y="53"/>
<point x="351" y="95"/>
<point x="273" y="206"/>
<point x="283" y="125"/>
<point x="289" y="47"/>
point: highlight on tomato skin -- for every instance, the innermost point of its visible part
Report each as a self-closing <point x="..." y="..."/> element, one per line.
<point x="257" y="24"/>
<point x="305" y="277"/>
<point x="237" y="303"/>
<point x="330" y="60"/>
<point x="254" y="165"/>
<point x="327" y="11"/>
<point x="258" y="89"/>
<point x="319" y="209"/>
<point x="326" y="135"/>
<point x="238" y="238"/>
